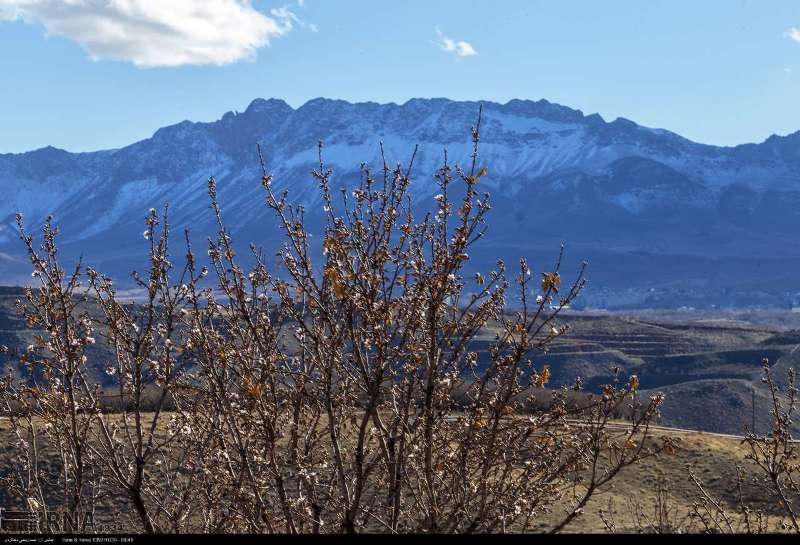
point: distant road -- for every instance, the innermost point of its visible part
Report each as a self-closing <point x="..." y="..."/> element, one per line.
<point x="664" y="429"/>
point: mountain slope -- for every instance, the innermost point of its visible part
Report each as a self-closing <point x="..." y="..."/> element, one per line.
<point x="663" y="220"/>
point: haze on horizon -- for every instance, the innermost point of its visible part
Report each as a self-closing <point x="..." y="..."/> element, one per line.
<point x="83" y="78"/>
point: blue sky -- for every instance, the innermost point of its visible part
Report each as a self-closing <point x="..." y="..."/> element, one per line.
<point x="93" y="74"/>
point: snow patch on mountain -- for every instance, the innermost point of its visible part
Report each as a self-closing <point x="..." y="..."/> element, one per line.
<point x="552" y="170"/>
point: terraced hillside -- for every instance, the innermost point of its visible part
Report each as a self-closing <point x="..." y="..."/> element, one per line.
<point x="660" y="354"/>
<point x="710" y="370"/>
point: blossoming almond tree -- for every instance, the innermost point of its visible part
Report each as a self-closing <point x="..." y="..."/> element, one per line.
<point x="343" y="392"/>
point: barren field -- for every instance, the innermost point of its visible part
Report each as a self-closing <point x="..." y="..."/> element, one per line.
<point x="655" y="495"/>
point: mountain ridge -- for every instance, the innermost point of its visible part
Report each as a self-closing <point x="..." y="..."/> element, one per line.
<point x="255" y="104"/>
<point x="612" y="190"/>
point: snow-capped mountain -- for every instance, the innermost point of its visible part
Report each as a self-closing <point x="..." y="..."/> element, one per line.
<point x="652" y="211"/>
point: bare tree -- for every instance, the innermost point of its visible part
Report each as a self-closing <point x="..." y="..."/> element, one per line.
<point x="770" y="466"/>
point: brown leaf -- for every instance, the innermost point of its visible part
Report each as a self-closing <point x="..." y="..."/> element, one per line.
<point x="551" y="281"/>
<point x="252" y="390"/>
<point x="543" y="378"/>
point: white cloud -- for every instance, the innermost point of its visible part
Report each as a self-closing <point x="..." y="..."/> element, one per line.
<point x="288" y="18"/>
<point x="794" y="34"/>
<point x="459" y="48"/>
<point x="158" y="32"/>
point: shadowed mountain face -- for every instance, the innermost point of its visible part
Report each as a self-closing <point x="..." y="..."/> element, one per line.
<point x="663" y="221"/>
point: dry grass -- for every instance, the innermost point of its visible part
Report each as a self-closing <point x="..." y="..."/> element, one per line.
<point x="639" y="487"/>
<point x="712" y="458"/>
